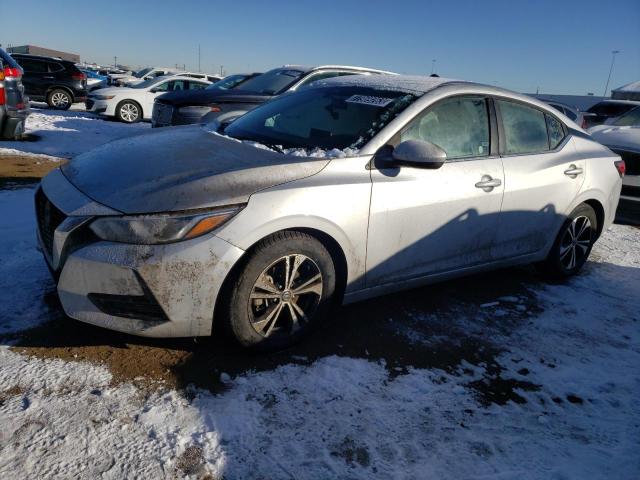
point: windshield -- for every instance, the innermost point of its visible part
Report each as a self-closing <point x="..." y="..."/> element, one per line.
<point x="227" y="83"/>
<point x="326" y="118"/>
<point x="142" y="73"/>
<point x="272" y="82"/>
<point x="629" y="119"/>
<point x="147" y="83"/>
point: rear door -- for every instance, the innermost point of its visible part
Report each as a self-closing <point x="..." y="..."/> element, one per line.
<point x="36" y="77"/>
<point x="425" y="221"/>
<point x="543" y="175"/>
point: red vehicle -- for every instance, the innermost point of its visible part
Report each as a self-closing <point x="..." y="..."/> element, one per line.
<point x="14" y="106"/>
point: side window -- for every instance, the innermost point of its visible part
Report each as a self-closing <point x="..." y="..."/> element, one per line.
<point x="34" y="66"/>
<point x="55" y="67"/>
<point x="163" y="87"/>
<point x="458" y="125"/>
<point x="176" y="85"/>
<point x="556" y="131"/>
<point x="525" y="128"/>
<point x="197" y="85"/>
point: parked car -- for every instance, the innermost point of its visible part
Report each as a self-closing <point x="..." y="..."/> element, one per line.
<point x="132" y="104"/>
<point x="95" y="80"/>
<point x="203" y="76"/>
<point x="361" y="186"/>
<point x="14" y="106"/>
<point x="233" y="81"/>
<point x="184" y="108"/>
<point x="53" y="80"/>
<point x="608" y="109"/>
<point x="623" y="137"/>
<point x="578" y="117"/>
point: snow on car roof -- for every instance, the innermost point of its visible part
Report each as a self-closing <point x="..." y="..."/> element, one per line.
<point x="405" y="83"/>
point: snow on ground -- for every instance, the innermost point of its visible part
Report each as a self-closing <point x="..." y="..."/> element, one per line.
<point x="68" y="133"/>
<point x="575" y="411"/>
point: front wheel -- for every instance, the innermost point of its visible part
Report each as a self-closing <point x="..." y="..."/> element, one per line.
<point x="285" y="288"/>
<point x="573" y="244"/>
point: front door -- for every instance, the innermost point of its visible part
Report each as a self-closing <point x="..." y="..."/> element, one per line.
<point x="425" y="221"/>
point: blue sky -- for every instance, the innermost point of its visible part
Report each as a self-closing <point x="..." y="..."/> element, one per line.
<point x="557" y="46"/>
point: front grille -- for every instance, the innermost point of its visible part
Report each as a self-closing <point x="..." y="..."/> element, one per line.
<point x="49" y="218"/>
<point x="139" y="307"/>
<point x="89" y="104"/>
<point x="631" y="160"/>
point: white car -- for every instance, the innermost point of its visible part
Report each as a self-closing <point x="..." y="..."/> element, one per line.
<point x="132" y="104"/>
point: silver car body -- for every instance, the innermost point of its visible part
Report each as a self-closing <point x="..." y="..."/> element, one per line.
<point x="394" y="230"/>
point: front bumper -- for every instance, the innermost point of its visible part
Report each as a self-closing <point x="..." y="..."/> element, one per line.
<point x="96" y="106"/>
<point x="148" y="290"/>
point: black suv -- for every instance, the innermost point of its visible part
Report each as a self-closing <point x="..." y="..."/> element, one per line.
<point x="14" y="107"/>
<point x="57" y="82"/>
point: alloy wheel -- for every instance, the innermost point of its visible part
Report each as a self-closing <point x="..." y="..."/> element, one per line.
<point x="286" y="295"/>
<point x="129" y="112"/>
<point x="575" y="243"/>
<point x="60" y="100"/>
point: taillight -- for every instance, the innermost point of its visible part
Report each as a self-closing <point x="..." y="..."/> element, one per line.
<point x="216" y="109"/>
<point x="11" y="72"/>
<point x="3" y="98"/>
<point x="621" y="167"/>
<point x="79" y="76"/>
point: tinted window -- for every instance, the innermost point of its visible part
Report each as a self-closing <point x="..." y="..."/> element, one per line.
<point x="197" y="85"/>
<point x="325" y="117"/>
<point x="525" y="128"/>
<point x="610" y="109"/>
<point x="228" y="82"/>
<point x="55" y="67"/>
<point x="460" y="126"/>
<point x="33" y="66"/>
<point x="177" y="85"/>
<point x="556" y="131"/>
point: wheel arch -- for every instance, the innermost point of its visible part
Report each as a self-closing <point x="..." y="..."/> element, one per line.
<point x="599" y="209"/>
<point x="331" y="244"/>
<point x="130" y="100"/>
<point x="60" y="87"/>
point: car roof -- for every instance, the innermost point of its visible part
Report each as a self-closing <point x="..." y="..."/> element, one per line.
<point x="618" y="102"/>
<point x="414" y="84"/>
<point x="40" y="57"/>
<point x="307" y="69"/>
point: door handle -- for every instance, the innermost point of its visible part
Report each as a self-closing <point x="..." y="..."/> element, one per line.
<point x="48" y="77"/>
<point x="487" y="183"/>
<point x="573" y="171"/>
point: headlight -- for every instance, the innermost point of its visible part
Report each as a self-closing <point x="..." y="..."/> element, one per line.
<point x="104" y="97"/>
<point x="199" y="110"/>
<point x="161" y="228"/>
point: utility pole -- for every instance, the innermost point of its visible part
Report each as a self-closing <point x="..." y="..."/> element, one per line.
<point x="221" y="70"/>
<point x="115" y="62"/>
<point x="199" y="58"/>
<point x="433" y="66"/>
<point x="613" y="60"/>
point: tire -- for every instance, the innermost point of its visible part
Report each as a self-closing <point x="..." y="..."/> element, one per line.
<point x="573" y="244"/>
<point x="129" y="111"/>
<point x="59" y="99"/>
<point x="275" y="317"/>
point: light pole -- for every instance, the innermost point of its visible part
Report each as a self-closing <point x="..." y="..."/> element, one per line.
<point x="433" y="66"/>
<point x="613" y="60"/>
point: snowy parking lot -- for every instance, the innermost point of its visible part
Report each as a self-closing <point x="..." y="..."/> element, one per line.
<point x="500" y="375"/>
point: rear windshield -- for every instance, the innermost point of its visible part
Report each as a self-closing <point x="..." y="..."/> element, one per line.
<point x="227" y="82"/>
<point x="629" y="119"/>
<point x="272" y="82"/>
<point x="325" y="118"/>
<point x="610" y="109"/>
<point x="7" y="61"/>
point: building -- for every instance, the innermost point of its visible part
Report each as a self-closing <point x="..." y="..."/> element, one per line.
<point x="46" y="52"/>
<point x="631" y="91"/>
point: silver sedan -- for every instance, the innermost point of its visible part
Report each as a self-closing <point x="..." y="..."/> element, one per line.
<point x="356" y="187"/>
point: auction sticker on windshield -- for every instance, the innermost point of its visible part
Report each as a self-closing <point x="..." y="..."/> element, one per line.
<point x="370" y="100"/>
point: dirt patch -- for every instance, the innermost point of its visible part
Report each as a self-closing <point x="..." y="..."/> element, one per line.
<point x="10" y="392"/>
<point x="440" y="327"/>
<point x="27" y="166"/>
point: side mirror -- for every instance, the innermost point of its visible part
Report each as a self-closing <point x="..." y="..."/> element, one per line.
<point x="419" y="153"/>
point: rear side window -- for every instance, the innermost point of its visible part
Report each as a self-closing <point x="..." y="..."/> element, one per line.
<point x="525" y="128"/>
<point x="34" y="66"/>
<point x="556" y="131"/>
<point x="55" y="67"/>
<point x="459" y="125"/>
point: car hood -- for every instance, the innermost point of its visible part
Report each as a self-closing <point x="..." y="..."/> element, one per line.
<point x="207" y="97"/>
<point x="181" y="169"/>
<point x="617" y="137"/>
<point x="110" y="91"/>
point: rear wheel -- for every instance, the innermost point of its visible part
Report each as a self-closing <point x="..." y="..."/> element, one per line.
<point x="573" y="244"/>
<point x="129" y="111"/>
<point x="59" y="99"/>
<point x="283" y="291"/>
